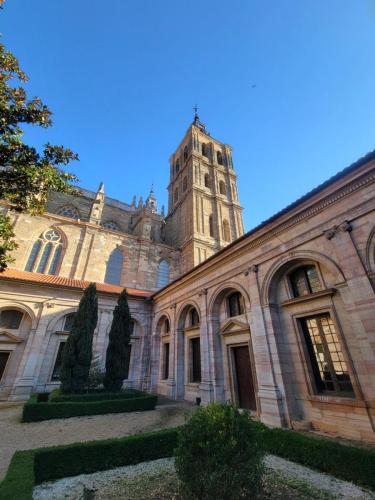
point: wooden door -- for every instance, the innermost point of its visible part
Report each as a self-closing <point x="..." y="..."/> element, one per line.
<point x="244" y="378"/>
<point x="4" y="356"/>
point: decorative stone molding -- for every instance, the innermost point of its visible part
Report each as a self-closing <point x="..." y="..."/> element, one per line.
<point x="344" y="227"/>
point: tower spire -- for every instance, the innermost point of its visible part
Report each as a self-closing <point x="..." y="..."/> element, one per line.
<point x="196" y="117"/>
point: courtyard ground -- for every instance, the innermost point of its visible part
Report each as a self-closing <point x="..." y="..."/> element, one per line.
<point x="24" y="436"/>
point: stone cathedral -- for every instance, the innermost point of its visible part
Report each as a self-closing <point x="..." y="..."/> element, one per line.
<point x="280" y="320"/>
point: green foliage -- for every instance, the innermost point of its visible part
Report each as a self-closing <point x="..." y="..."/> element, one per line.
<point x="27" y="176"/>
<point x="19" y="480"/>
<point x="35" y="412"/>
<point x="83" y="458"/>
<point x="118" y="350"/>
<point x="57" y="397"/>
<point x="325" y="455"/>
<point x="77" y="353"/>
<point x="219" y="454"/>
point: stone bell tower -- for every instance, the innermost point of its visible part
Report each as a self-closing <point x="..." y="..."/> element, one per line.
<point x="204" y="213"/>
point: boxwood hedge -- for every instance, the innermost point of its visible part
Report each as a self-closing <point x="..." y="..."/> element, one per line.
<point x="34" y="411"/>
<point x="56" y="397"/>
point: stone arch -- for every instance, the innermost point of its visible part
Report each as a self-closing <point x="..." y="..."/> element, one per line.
<point x="23" y="308"/>
<point x="222" y="291"/>
<point x="370" y="251"/>
<point x="60" y="315"/>
<point x="183" y="311"/>
<point x="271" y="280"/>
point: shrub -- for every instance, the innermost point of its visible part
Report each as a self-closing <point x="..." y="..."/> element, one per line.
<point x="77" y="353"/>
<point x="118" y="350"/>
<point x="56" y="396"/>
<point x="219" y="454"/>
<point x="34" y="411"/>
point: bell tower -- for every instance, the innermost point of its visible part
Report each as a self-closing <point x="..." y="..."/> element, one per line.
<point x="204" y="213"/>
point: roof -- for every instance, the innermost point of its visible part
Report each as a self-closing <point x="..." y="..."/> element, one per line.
<point x="335" y="178"/>
<point x="47" y="279"/>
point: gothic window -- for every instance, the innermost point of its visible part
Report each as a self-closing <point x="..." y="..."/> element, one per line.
<point x="114" y="267"/>
<point x="110" y="224"/>
<point x="219" y="157"/>
<point x="184" y="184"/>
<point x="305" y="280"/>
<point x="205" y="150"/>
<point x="211" y="225"/>
<point x="163" y="274"/>
<point x="185" y="153"/>
<point x="45" y="254"/>
<point x="176" y="195"/>
<point x="222" y="189"/>
<point x="68" y="211"/>
<point x="177" y="166"/>
<point x="235" y="304"/>
<point x="166" y="360"/>
<point x="195" y="353"/>
<point x="226" y="230"/>
<point x="10" y="319"/>
<point x="206" y="180"/>
<point x="193" y="317"/>
<point x="326" y="359"/>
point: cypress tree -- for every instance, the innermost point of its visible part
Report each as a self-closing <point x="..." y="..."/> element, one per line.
<point x="77" y="353"/>
<point x="118" y="350"/>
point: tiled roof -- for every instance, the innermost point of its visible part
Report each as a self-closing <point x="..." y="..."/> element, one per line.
<point x="14" y="274"/>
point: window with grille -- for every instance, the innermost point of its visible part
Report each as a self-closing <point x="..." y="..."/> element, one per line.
<point x="163" y="274"/>
<point x="10" y="319"/>
<point x="195" y="350"/>
<point x="235" y="304"/>
<point x="57" y="368"/>
<point x="68" y="211"/>
<point x="45" y="255"/>
<point x="114" y="268"/>
<point x="328" y="366"/>
<point x="305" y="280"/>
<point x="166" y="360"/>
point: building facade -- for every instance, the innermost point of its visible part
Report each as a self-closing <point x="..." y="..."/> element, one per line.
<point x="280" y="320"/>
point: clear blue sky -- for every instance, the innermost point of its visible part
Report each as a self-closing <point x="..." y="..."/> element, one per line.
<point x="121" y="77"/>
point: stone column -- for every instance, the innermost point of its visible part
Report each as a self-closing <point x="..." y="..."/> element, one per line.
<point x="269" y="396"/>
<point x="206" y="387"/>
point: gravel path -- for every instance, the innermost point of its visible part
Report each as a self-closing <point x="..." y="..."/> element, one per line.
<point x="23" y="436"/>
<point x="72" y="488"/>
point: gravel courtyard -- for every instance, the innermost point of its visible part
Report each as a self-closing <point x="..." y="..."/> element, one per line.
<point x="22" y="436"/>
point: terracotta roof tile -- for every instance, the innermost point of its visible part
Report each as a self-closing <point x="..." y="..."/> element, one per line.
<point x="14" y="274"/>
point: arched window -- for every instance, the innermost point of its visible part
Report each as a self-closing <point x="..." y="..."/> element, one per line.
<point x="10" y="319"/>
<point x="165" y="326"/>
<point x="205" y="150"/>
<point x="222" y="189"/>
<point x="45" y="255"/>
<point x="206" y="180"/>
<point x="176" y="195"/>
<point x="110" y="224"/>
<point x="184" y="184"/>
<point x="211" y="225"/>
<point x="114" y="267"/>
<point x="235" y="304"/>
<point x="219" y="157"/>
<point x="194" y="317"/>
<point x="68" y="211"/>
<point x="185" y="153"/>
<point x="177" y="166"/>
<point x="305" y="280"/>
<point x="163" y="274"/>
<point x="226" y="230"/>
<point x="68" y="322"/>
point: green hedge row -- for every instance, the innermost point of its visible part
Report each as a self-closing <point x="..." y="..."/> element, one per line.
<point x="34" y="411"/>
<point x="56" y="397"/>
<point x="32" y="467"/>
<point x="349" y="463"/>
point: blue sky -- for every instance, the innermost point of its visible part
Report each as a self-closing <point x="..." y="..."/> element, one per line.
<point x="121" y="78"/>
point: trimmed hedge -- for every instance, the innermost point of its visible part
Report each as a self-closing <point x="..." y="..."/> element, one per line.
<point x="84" y="458"/>
<point x="349" y="463"/>
<point x="34" y="411"/>
<point x="32" y="467"/>
<point x="56" y="397"/>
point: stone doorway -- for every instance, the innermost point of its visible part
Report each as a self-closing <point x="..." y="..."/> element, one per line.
<point x="243" y="377"/>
